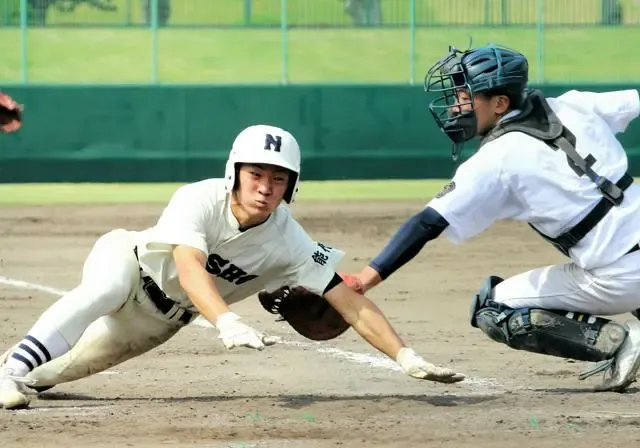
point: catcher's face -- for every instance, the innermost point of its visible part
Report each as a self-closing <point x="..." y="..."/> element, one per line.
<point x="488" y="110"/>
<point x="260" y="190"/>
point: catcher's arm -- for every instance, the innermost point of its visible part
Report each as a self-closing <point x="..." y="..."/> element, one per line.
<point x="408" y="241"/>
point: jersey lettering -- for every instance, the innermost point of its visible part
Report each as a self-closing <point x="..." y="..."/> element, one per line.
<point x="231" y="273"/>
<point x="215" y="263"/>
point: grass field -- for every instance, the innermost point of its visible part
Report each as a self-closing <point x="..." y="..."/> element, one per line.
<point x="255" y="56"/>
<point x="95" y="194"/>
<point x="375" y="55"/>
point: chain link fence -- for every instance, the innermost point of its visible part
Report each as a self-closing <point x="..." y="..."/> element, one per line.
<point x="302" y="41"/>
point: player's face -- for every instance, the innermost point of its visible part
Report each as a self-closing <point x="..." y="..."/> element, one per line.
<point x="261" y="188"/>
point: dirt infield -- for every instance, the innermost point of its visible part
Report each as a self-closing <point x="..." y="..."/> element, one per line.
<point x="192" y="392"/>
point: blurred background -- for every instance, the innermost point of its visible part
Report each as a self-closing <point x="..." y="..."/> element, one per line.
<point x="109" y="85"/>
<point x="302" y="41"/>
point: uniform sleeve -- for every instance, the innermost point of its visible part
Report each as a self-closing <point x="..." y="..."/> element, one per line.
<point x="313" y="267"/>
<point x="474" y="199"/>
<point x="182" y="222"/>
<point x="617" y="108"/>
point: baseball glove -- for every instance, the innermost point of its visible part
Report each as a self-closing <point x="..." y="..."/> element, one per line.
<point x="308" y="313"/>
<point x="10" y="114"/>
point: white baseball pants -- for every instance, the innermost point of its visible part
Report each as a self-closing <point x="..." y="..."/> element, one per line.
<point x="610" y="290"/>
<point x="105" y="320"/>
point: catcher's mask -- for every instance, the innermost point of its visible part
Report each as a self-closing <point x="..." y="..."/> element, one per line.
<point x="457" y="120"/>
<point x="263" y="144"/>
<point x="489" y="70"/>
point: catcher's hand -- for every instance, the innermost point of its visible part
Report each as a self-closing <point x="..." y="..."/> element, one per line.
<point x="308" y="313"/>
<point x="353" y="282"/>
<point x="10" y="114"/>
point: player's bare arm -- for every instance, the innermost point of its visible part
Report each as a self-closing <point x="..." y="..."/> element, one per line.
<point x="201" y="289"/>
<point x="369" y="322"/>
<point x="366" y="319"/>
<point x="198" y="284"/>
<point x="327" y="316"/>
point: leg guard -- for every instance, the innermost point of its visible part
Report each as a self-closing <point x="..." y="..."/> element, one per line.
<point x="555" y="333"/>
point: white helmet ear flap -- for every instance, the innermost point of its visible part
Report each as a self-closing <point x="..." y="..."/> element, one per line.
<point x="292" y="189"/>
<point x="230" y="175"/>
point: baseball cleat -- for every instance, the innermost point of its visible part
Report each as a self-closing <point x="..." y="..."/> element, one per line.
<point x="11" y="395"/>
<point x="624" y="366"/>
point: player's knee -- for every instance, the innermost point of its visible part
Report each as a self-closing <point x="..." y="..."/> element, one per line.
<point x="103" y="298"/>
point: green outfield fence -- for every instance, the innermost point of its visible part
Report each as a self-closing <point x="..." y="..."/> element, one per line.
<point x="307" y="41"/>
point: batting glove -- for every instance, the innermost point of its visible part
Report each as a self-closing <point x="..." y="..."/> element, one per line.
<point x="234" y="333"/>
<point x="413" y="365"/>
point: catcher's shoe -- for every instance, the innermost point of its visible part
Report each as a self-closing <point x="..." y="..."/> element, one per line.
<point x="11" y="393"/>
<point x="620" y="371"/>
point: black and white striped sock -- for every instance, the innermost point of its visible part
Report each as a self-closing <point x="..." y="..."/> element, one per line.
<point x="29" y="354"/>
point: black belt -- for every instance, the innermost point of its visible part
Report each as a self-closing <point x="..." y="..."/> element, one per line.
<point x="633" y="249"/>
<point x="160" y="299"/>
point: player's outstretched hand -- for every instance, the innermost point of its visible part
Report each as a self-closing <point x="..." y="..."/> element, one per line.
<point x="234" y="333"/>
<point x="413" y="365"/>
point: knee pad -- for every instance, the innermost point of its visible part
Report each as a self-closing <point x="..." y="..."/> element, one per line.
<point x="567" y="335"/>
<point x="484" y="298"/>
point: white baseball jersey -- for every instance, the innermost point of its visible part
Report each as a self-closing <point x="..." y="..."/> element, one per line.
<point x="276" y="253"/>
<point x="519" y="177"/>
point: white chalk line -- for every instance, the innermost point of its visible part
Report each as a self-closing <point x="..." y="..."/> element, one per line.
<point x="68" y="410"/>
<point x="485" y="386"/>
<point x="32" y="286"/>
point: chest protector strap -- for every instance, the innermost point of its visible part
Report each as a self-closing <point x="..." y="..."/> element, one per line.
<point x="540" y="122"/>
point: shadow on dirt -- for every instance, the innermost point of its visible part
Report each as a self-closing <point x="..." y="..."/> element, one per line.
<point x="287" y="401"/>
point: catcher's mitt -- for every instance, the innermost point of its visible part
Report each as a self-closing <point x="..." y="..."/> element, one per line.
<point x="308" y="313"/>
<point x="10" y="114"/>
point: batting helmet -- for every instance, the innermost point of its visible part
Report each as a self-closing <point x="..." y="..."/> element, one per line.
<point x="269" y="145"/>
<point x="489" y="69"/>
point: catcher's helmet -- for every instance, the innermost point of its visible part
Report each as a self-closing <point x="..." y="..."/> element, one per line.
<point x="269" y="145"/>
<point x="488" y="69"/>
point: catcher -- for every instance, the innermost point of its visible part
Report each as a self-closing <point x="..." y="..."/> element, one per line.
<point x="556" y="164"/>
<point x="10" y="114"/>
<point x="217" y="242"/>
